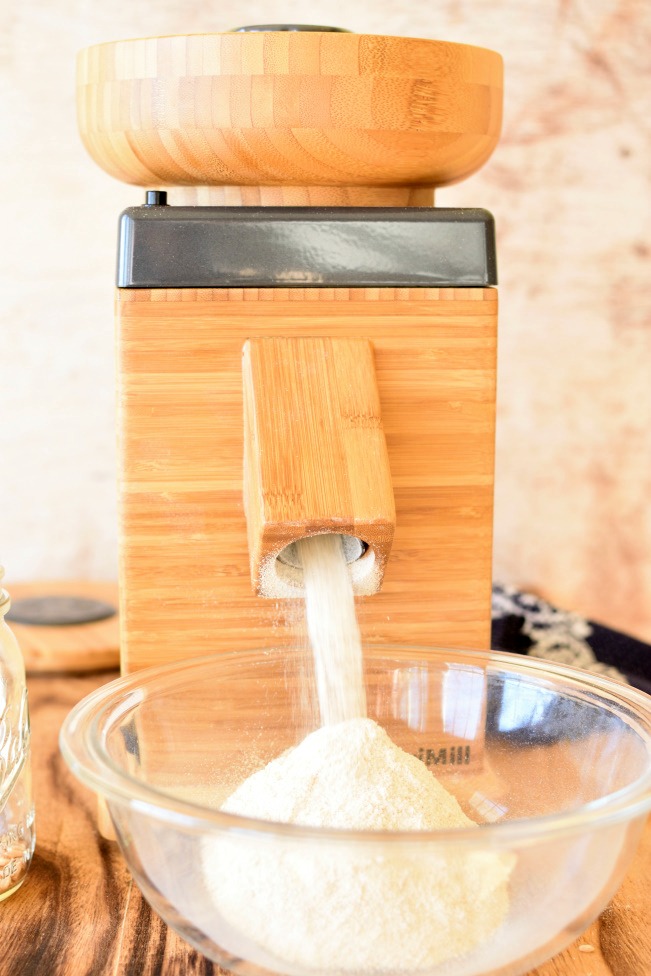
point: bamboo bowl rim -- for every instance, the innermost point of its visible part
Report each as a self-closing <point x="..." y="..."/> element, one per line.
<point x="289" y="109"/>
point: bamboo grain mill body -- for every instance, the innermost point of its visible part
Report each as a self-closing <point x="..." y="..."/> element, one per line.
<point x="305" y="344"/>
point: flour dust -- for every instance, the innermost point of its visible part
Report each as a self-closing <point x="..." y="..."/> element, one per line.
<point x="332" y="629"/>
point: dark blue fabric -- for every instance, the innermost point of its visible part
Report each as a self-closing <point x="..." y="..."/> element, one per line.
<point x="525" y="624"/>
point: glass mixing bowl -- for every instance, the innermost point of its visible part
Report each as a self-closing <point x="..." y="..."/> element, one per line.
<point x="553" y="763"/>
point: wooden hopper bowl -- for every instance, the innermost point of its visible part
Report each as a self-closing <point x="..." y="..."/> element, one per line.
<point x="381" y="119"/>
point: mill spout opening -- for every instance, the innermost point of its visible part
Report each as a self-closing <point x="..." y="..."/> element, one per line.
<point x="359" y="557"/>
<point x="353" y="549"/>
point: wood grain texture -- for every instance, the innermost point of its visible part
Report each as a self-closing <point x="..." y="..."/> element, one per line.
<point x="79" y="912"/>
<point x="79" y="647"/>
<point x="627" y="916"/>
<point x="184" y="564"/>
<point x="289" y="109"/>
<point x="315" y="454"/>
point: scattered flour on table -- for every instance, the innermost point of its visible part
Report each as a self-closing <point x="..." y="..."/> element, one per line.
<point x="329" y="906"/>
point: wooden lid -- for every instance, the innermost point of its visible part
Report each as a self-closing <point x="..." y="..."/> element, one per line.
<point x="66" y="625"/>
<point x="289" y="108"/>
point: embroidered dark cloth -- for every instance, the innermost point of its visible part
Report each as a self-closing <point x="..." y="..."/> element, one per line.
<point x="525" y="624"/>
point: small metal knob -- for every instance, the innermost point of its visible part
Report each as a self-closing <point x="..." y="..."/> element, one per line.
<point x="156" y="198"/>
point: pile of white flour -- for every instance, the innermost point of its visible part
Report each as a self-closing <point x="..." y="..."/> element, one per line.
<point x="373" y="907"/>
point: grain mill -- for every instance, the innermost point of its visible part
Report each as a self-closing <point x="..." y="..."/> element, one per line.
<point x="305" y="343"/>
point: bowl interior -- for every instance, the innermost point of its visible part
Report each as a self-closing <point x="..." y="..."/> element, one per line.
<point x="509" y="739"/>
<point x="552" y="763"/>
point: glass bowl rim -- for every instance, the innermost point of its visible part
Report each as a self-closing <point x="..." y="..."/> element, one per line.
<point x="80" y="741"/>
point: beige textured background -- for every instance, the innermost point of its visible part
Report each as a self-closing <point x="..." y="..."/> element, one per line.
<point x="570" y="187"/>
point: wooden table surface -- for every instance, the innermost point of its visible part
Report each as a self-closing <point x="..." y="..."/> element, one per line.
<point x="80" y="914"/>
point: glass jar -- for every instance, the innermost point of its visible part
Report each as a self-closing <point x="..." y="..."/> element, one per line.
<point x="16" y="804"/>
